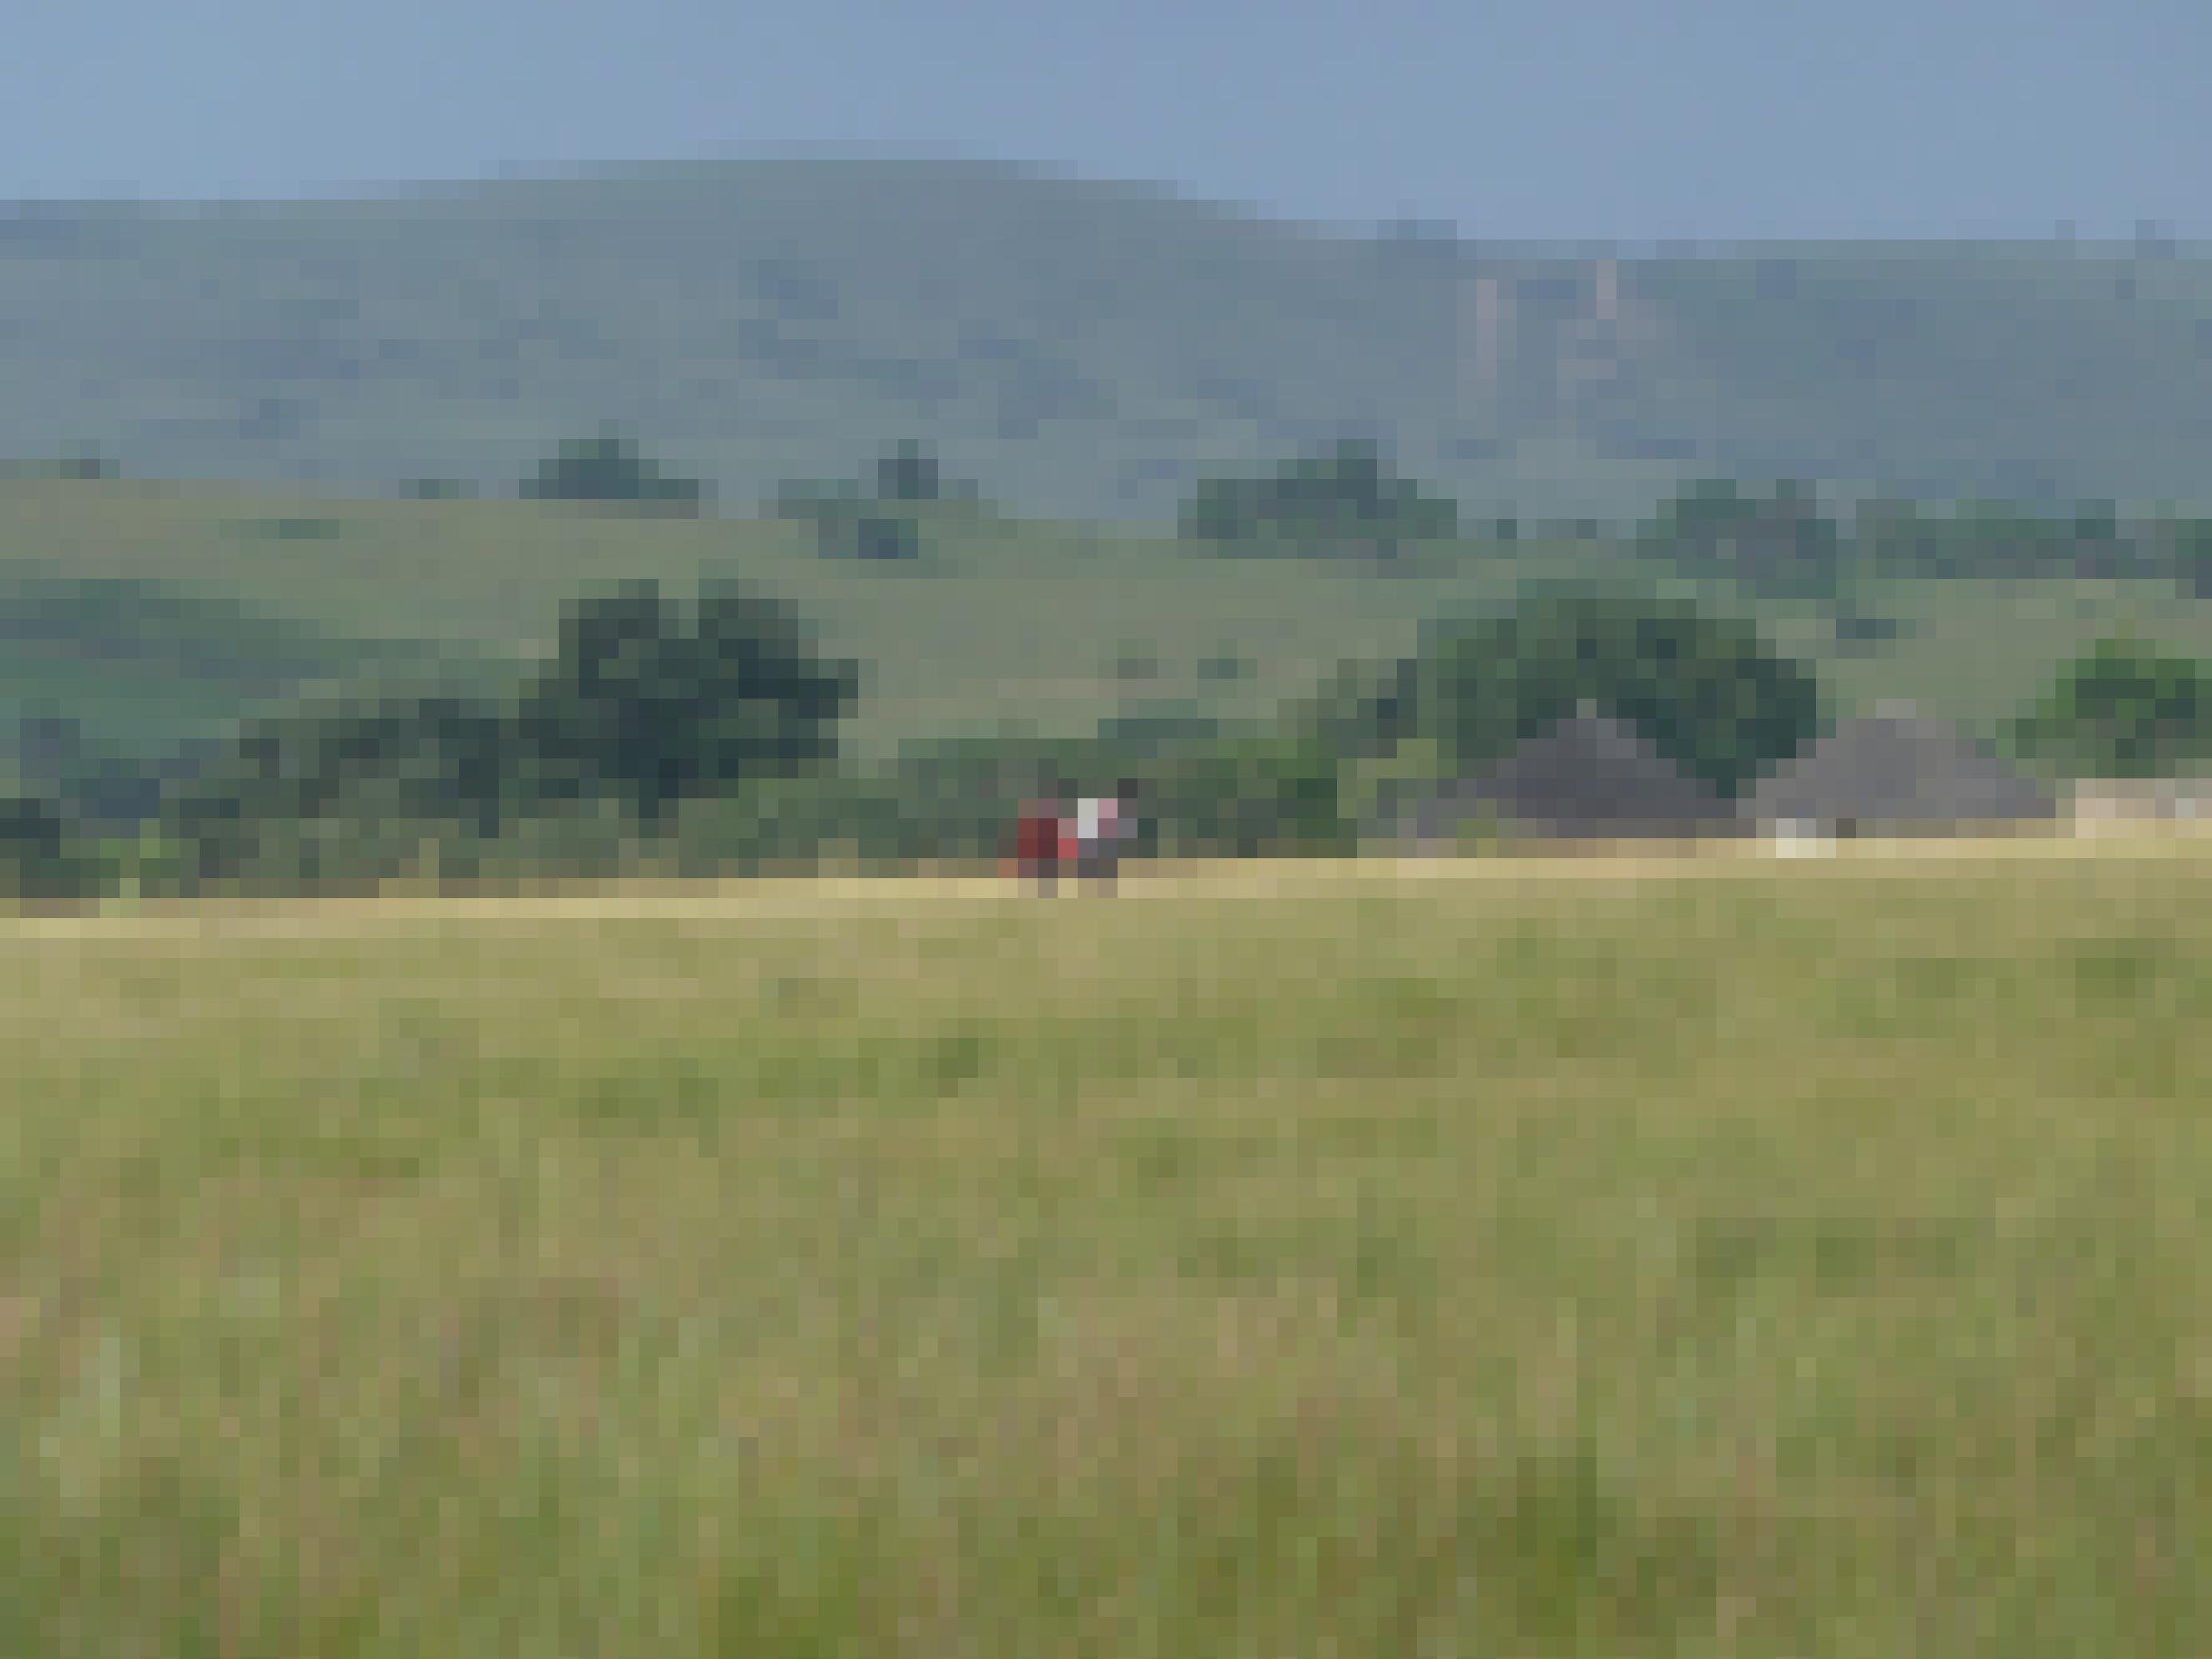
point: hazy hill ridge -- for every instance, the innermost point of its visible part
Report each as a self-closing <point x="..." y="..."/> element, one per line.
<point x="1083" y="348"/>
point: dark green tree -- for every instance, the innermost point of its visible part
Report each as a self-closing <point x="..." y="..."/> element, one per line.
<point x="1777" y="541"/>
<point x="881" y="536"/>
<point x="1891" y="536"/>
<point x="608" y="468"/>
<point x="641" y="706"/>
<point x="877" y="520"/>
<point x="1707" y="691"/>
<point x="651" y="706"/>
<point x="1981" y="539"/>
<point x="1361" y="710"/>
<point x="347" y="791"/>
<point x="43" y="854"/>
<point x="1244" y="796"/>
<point x="2124" y="708"/>
<point x="1343" y="499"/>
<point x="2190" y="556"/>
<point x="909" y="472"/>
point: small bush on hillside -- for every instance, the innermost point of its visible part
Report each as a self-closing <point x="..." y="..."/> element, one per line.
<point x="1777" y="541"/>
<point x="1343" y="502"/>
<point x="875" y="537"/>
<point x="609" y="468"/>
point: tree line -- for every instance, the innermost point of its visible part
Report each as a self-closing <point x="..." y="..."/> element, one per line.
<point x="1346" y="501"/>
<point x="703" y="736"/>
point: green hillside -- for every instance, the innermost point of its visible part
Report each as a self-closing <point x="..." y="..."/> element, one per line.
<point x="1052" y="624"/>
<point x="1084" y="348"/>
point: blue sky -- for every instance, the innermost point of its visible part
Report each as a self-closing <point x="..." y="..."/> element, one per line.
<point x="1607" y="120"/>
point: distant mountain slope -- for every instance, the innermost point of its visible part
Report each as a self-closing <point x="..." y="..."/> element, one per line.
<point x="1083" y="348"/>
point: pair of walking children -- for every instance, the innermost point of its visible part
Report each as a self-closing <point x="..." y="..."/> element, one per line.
<point x="1086" y="841"/>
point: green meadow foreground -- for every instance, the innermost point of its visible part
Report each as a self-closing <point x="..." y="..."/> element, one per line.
<point x="1747" y="1258"/>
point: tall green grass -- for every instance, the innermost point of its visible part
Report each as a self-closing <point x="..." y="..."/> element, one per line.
<point x="1765" y="1260"/>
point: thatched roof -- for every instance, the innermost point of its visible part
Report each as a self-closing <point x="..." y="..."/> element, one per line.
<point x="1897" y="769"/>
<point x="1587" y="776"/>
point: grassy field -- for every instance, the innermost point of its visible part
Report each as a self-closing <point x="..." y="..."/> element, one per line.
<point x="1701" y="1257"/>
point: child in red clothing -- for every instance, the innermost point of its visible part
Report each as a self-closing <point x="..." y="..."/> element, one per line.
<point x="1038" y="841"/>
